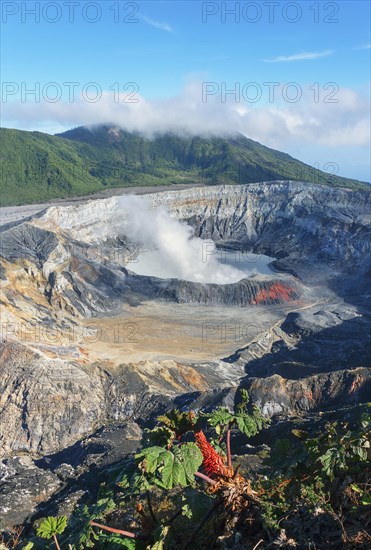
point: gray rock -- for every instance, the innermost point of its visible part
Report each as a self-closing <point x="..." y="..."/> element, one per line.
<point x="23" y="486"/>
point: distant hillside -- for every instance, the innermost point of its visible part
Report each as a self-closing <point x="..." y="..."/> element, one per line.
<point x="37" y="167"/>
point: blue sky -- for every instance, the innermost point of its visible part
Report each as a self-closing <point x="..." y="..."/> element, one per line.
<point x="317" y="52"/>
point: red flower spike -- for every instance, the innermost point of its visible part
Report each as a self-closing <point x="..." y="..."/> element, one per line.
<point x="213" y="463"/>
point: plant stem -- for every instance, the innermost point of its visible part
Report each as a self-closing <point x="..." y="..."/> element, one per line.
<point x="113" y="530"/>
<point x="56" y="542"/>
<point x="229" y="456"/>
<point x="150" y="507"/>
<point x="236" y="470"/>
<point x="205" y="478"/>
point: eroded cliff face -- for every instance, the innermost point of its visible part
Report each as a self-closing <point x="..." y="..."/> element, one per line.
<point x="48" y="404"/>
<point x="299" y="221"/>
<point x="298" y="338"/>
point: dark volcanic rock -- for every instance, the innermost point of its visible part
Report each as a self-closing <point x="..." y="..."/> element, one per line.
<point x="247" y="291"/>
<point x="54" y="484"/>
<point x="22" y="487"/>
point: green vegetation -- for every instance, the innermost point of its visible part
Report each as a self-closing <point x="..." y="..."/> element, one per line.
<point x="182" y="490"/>
<point x="37" y="167"/>
<point x="51" y="527"/>
<point x="327" y="475"/>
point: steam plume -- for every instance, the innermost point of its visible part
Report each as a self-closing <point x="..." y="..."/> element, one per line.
<point x="178" y="253"/>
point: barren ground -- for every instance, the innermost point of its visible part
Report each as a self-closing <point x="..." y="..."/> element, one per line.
<point x="182" y="332"/>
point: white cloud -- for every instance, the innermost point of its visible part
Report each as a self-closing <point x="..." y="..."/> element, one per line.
<point x="299" y="56"/>
<point x="157" y="24"/>
<point x="280" y="124"/>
